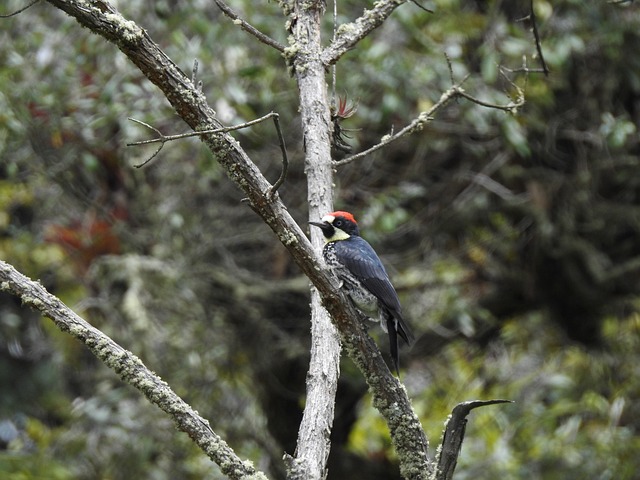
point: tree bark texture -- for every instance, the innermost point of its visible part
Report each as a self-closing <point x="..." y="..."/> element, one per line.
<point x="314" y="443"/>
<point x="130" y="369"/>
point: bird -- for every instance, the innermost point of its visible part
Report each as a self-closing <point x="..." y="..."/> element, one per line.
<point x="363" y="277"/>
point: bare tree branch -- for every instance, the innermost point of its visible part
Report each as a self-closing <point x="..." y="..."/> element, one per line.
<point x="348" y="35"/>
<point x="536" y="36"/>
<point x="416" y="125"/>
<point x="244" y="25"/>
<point x="285" y="158"/>
<point x="423" y="118"/>
<point x="20" y="10"/>
<point x="454" y="435"/>
<point x="162" y="138"/>
<point x="130" y="369"/>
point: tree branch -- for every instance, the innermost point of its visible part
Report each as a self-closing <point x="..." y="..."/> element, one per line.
<point x="247" y="27"/>
<point x="20" y="10"/>
<point x="423" y="118"/>
<point x="415" y="125"/>
<point x="348" y="35"/>
<point x="130" y="369"/>
<point x="536" y="36"/>
<point x="162" y="138"/>
<point x="454" y="435"/>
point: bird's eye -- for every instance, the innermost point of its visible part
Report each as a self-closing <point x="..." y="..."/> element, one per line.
<point x="337" y="223"/>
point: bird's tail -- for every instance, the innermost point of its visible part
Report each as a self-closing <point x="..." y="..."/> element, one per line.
<point x="404" y="331"/>
<point x="396" y="326"/>
<point x="393" y="343"/>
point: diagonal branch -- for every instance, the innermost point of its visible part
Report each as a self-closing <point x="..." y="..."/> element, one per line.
<point x="423" y="118"/>
<point x="348" y="35"/>
<point x="247" y="27"/>
<point x="130" y="369"/>
<point x="20" y="10"/>
<point x="415" y="125"/>
<point x="162" y="138"/>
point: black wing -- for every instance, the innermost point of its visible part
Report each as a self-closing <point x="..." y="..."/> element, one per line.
<point x="360" y="259"/>
<point x="363" y="262"/>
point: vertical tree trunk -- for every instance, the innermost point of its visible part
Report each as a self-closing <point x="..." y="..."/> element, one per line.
<point x="314" y="444"/>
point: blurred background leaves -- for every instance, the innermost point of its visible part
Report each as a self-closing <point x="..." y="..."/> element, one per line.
<point x="513" y="241"/>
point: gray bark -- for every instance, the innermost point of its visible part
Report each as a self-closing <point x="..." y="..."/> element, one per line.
<point x="130" y="369"/>
<point x="313" y="447"/>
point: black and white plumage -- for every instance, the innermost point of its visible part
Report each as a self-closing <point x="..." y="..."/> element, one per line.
<point x="363" y="276"/>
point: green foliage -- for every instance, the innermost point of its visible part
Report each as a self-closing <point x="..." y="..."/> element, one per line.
<point x="512" y="239"/>
<point x="567" y="421"/>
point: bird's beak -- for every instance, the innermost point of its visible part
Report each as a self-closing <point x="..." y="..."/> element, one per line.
<point x="324" y="226"/>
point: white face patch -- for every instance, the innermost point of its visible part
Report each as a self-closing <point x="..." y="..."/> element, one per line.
<point x="338" y="233"/>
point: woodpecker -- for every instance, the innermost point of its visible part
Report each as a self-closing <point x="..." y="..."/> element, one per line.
<point x="363" y="276"/>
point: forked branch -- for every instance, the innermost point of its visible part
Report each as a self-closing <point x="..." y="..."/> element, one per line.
<point x="162" y="139"/>
<point x="418" y="123"/>
<point x="389" y="395"/>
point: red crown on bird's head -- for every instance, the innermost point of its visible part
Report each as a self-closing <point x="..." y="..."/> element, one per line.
<point x="345" y="215"/>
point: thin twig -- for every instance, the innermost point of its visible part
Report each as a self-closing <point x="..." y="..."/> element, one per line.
<point x="421" y="7"/>
<point x="510" y="107"/>
<point x="450" y="66"/>
<point x="162" y="138"/>
<point x="285" y="158"/>
<point x="194" y="76"/>
<point x="20" y="10"/>
<point x="418" y="123"/>
<point x="244" y="25"/>
<point x="524" y="70"/>
<point x="536" y="35"/>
